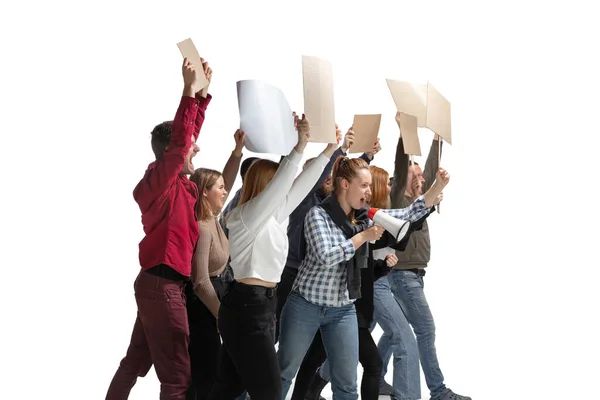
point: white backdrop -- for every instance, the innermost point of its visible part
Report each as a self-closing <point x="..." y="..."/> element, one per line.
<point x="512" y="281"/>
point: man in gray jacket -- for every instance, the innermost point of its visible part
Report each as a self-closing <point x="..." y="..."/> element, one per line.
<point x="407" y="276"/>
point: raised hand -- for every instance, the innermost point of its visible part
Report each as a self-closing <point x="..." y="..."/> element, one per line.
<point x="239" y="136"/>
<point x="398" y="114"/>
<point x="348" y="140"/>
<point x="376" y="149"/>
<point x="208" y="73"/>
<point x="303" y="128"/>
<point x="432" y="197"/>
<point x="190" y="77"/>
<point x="189" y="72"/>
<point x="443" y="177"/>
<point x="207" y="70"/>
<point x="330" y="149"/>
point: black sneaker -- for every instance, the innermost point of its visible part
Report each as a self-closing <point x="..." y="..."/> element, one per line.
<point x="385" y="389"/>
<point x="450" y="395"/>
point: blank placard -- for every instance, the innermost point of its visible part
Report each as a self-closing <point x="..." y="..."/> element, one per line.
<point x="189" y="51"/>
<point x="366" y="129"/>
<point x="410" y="137"/>
<point x="319" y="108"/>
<point x="410" y="98"/>
<point x="438" y="114"/>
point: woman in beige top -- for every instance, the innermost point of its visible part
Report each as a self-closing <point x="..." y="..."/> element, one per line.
<point x="209" y="277"/>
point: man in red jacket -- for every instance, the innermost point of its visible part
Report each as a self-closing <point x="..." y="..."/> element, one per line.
<point x="166" y="198"/>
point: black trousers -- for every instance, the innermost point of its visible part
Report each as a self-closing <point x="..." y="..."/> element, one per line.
<point x="368" y="356"/>
<point x="247" y="359"/>
<point x="288" y="276"/>
<point x="205" y="341"/>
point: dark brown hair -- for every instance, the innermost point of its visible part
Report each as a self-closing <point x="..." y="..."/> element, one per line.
<point x="161" y="137"/>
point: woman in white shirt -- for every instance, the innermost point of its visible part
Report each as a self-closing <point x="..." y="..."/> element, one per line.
<point x="328" y="280"/>
<point x="258" y="246"/>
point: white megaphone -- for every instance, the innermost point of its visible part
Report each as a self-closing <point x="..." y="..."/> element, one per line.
<point x="395" y="226"/>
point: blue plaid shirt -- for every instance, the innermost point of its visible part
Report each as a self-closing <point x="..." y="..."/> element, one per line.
<point x="322" y="275"/>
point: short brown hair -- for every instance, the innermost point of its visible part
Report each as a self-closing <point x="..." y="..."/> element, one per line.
<point x="161" y="137"/>
<point x="379" y="183"/>
<point x="204" y="178"/>
<point x="257" y="178"/>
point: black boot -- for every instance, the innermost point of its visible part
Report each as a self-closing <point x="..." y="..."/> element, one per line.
<point x="317" y="384"/>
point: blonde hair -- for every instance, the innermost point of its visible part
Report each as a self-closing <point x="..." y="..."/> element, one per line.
<point x="346" y="168"/>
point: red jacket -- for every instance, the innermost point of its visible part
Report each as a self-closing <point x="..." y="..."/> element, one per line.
<point x="167" y="198"/>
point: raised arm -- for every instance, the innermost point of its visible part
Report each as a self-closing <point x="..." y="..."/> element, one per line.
<point x="200" y="275"/>
<point x="230" y="171"/>
<point x="400" y="172"/>
<point x="256" y="211"/>
<point x="431" y="165"/>
<point x="301" y="186"/>
<point x="168" y="167"/>
<point x="203" y="98"/>
<point x="412" y="213"/>
<point x="326" y="171"/>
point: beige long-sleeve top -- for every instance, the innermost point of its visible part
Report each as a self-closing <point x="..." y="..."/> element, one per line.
<point x="212" y="250"/>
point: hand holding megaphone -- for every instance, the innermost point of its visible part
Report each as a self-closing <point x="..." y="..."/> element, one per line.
<point x="395" y="226"/>
<point x="373" y="233"/>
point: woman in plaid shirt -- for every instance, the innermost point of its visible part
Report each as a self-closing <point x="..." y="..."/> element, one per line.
<point x="328" y="280"/>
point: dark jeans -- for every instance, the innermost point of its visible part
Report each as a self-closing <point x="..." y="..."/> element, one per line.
<point x="288" y="276"/>
<point x="205" y="341"/>
<point x="160" y="337"/>
<point x="369" y="358"/>
<point x="247" y="358"/>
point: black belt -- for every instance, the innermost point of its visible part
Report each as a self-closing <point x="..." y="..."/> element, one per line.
<point x="254" y="289"/>
<point x="418" y="271"/>
<point x="166" y="272"/>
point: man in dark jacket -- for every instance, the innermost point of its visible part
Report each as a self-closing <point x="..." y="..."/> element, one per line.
<point x="407" y="275"/>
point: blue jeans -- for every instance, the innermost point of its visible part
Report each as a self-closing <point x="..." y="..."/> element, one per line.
<point x="397" y="339"/>
<point x="407" y="288"/>
<point x="300" y="320"/>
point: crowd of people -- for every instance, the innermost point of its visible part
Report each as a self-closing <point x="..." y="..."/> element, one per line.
<point x="288" y="281"/>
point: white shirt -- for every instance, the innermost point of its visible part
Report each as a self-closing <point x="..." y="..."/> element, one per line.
<point x="258" y="242"/>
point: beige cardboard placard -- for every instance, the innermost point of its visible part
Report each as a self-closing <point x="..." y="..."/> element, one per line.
<point x="410" y="98"/>
<point x="366" y="129"/>
<point x="317" y="75"/>
<point x="438" y="114"/>
<point x="408" y="131"/>
<point x="189" y="51"/>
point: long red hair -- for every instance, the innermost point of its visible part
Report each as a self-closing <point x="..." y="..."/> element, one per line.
<point x="380" y="180"/>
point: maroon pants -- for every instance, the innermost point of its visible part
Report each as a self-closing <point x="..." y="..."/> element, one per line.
<point x="160" y="337"/>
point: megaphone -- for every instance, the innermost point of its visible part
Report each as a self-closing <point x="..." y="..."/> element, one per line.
<point x="395" y="226"/>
